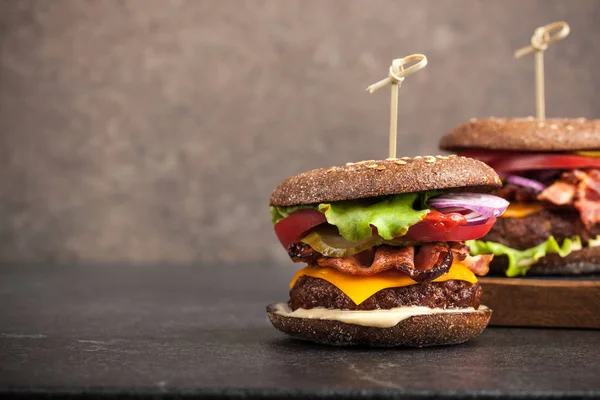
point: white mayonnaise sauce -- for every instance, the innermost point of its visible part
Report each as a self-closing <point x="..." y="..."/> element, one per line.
<point x="374" y="318"/>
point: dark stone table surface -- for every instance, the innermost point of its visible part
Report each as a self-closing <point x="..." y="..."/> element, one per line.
<point x="173" y="331"/>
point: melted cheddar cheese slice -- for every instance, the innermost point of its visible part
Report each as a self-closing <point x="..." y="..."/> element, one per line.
<point x="359" y="288"/>
<point x="520" y="210"/>
<point x="595" y="154"/>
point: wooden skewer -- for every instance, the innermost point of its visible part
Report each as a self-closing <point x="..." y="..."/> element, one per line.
<point x="542" y="37"/>
<point x="396" y="76"/>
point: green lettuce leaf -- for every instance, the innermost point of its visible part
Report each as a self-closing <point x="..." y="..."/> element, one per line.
<point x="425" y="196"/>
<point x="519" y="261"/>
<point x="392" y="215"/>
<point x="279" y="213"/>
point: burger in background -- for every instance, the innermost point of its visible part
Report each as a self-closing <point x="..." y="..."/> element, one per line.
<point x="551" y="175"/>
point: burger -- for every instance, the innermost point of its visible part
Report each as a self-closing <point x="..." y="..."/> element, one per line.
<point x="385" y="253"/>
<point x="551" y="177"/>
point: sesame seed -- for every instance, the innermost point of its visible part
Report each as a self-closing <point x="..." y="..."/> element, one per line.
<point x="372" y="166"/>
<point x="473" y="120"/>
<point x="570" y="127"/>
<point x="541" y="125"/>
<point x="553" y="127"/>
<point x="400" y="162"/>
<point x="530" y="118"/>
<point x="581" y="119"/>
<point x="406" y="158"/>
<point x="442" y="157"/>
<point x="418" y="157"/>
<point x="380" y="167"/>
<point x="391" y="159"/>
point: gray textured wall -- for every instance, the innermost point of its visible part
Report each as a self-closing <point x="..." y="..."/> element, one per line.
<point x="154" y="130"/>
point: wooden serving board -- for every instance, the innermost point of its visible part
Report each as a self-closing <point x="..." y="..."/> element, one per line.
<point x="543" y="302"/>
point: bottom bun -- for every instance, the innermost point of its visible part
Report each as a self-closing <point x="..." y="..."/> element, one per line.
<point x="580" y="262"/>
<point x="415" y="331"/>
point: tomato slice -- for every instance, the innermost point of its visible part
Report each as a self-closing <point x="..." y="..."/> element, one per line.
<point x="425" y="232"/>
<point x="436" y="226"/>
<point x="508" y="161"/>
<point x="489" y="156"/>
<point x="292" y="228"/>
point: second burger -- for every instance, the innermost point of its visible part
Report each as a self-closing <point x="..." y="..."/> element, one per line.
<point x="551" y="174"/>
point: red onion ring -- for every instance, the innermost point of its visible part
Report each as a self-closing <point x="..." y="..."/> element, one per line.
<point x="526" y="182"/>
<point x="486" y="205"/>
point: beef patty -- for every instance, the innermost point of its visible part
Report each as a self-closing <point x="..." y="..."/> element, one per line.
<point x="309" y="292"/>
<point x="529" y="231"/>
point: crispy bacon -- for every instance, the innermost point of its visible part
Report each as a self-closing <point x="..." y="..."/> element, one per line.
<point x="386" y="257"/>
<point x="432" y="261"/>
<point x="479" y="265"/>
<point x="365" y="257"/>
<point x="302" y="252"/>
<point x="580" y="189"/>
<point x="559" y="193"/>
<point x="591" y="178"/>
<point x="589" y="212"/>
<point x="460" y="250"/>
<point x="588" y="197"/>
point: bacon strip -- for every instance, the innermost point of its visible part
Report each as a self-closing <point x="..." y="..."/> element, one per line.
<point x="386" y="257"/>
<point x="580" y="189"/>
<point x="301" y="252"/>
<point x="559" y="193"/>
<point x="588" y="197"/>
<point x="460" y="250"/>
<point x="432" y="261"/>
<point x="479" y="265"/>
